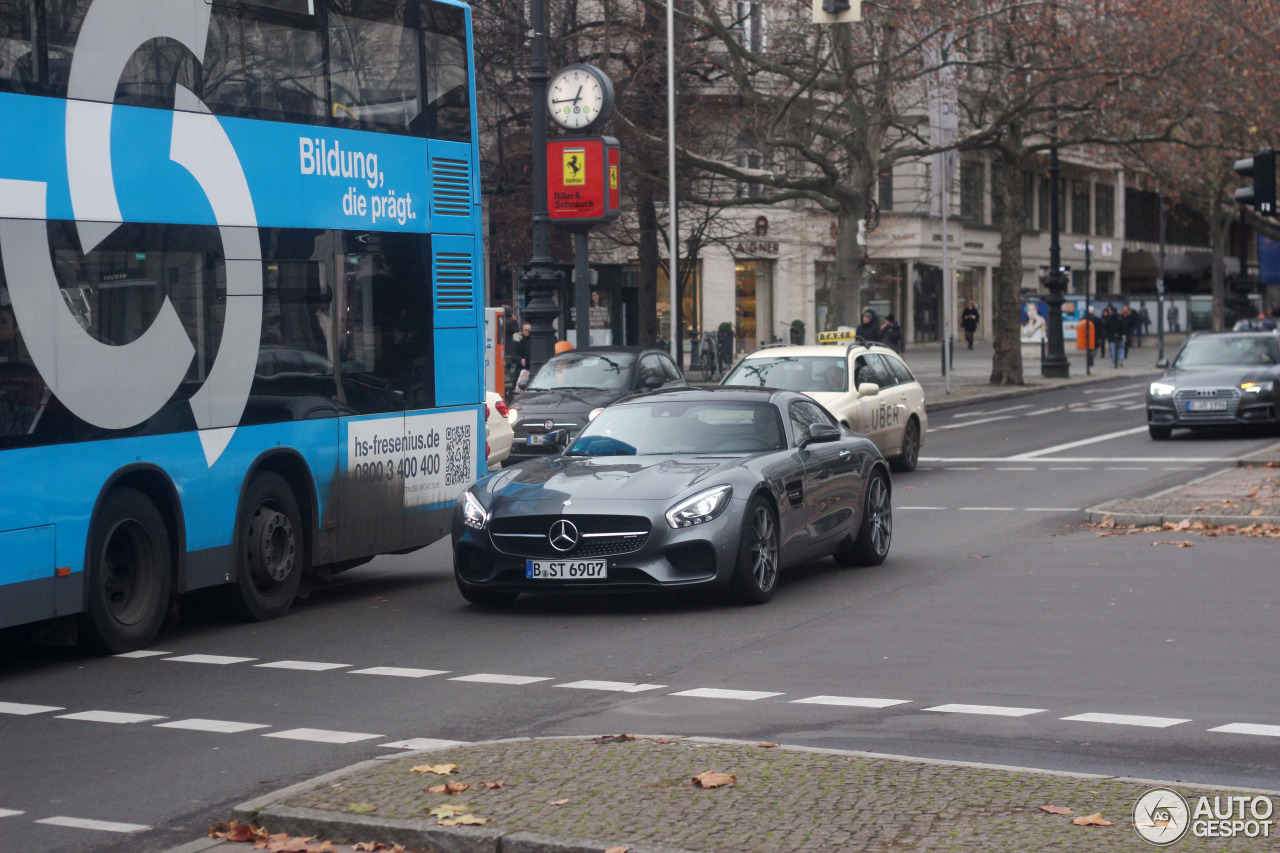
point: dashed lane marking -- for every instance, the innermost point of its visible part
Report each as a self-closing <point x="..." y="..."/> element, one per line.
<point x="1127" y="720"/>
<point x="1071" y="445"/>
<point x="493" y="678"/>
<point x="719" y="693"/>
<point x="919" y="507"/>
<point x="986" y="710"/>
<point x="218" y="726"/>
<point x="322" y="736"/>
<point x="10" y="812"/>
<point x="1052" y="509"/>
<point x="986" y="509"/>
<point x="851" y="701"/>
<point x="100" y="825"/>
<point x="305" y="665"/>
<point x="21" y="710"/>
<point x="423" y="743"/>
<point x="217" y="660"/>
<point x="614" y="686"/>
<point x="950" y="427"/>
<point x="117" y="717"/>
<point x="993" y="411"/>
<point x="398" y="671"/>
<point x="1248" y="729"/>
<point x="143" y="653"/>
<point x="1028" y="468"/>
<point x="1127" y="468"/>
<point x="1076" y="468"/>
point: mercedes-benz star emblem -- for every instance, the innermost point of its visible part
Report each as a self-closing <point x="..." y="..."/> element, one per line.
<point x="563" y="535"/>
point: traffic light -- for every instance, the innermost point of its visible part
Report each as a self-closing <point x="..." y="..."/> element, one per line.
<point x="1262" y="168"/>
<point x="835" y="7"/>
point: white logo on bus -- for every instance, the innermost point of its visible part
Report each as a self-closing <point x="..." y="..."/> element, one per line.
<point x="116" y="387"/>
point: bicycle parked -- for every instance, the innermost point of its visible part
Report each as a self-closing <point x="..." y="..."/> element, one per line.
<point x="712" y="360"/>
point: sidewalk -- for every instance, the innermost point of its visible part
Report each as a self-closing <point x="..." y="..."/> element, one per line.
<point x="637" y="794"/>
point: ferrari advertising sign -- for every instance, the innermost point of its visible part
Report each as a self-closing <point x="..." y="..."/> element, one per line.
<point x="582" y="181"/>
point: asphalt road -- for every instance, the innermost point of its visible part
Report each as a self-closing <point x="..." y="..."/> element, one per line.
<point x="997" y="631"/>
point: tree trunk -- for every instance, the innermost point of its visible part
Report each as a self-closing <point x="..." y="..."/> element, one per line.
<point x="647" y="251"/>
<point x="1006" y="297"/>
<point x="845" y="299"/>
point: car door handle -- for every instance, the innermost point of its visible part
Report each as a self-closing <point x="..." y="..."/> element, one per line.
<point x="845" y="454"/>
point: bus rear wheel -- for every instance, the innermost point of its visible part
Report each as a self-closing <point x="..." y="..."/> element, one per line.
<point x="271" y="547"/>
<point x="130" y="573"/>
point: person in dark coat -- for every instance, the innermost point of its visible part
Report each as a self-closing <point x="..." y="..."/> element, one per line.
<point x="969" y="322"/>
<point x="891" y="334"/>
<point x="868" y="329"/>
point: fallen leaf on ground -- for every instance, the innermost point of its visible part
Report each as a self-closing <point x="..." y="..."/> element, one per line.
<point x="492" y="785"/>
<point x="284" y="843"/>
<point x="438" y="769"/>
<point x="448" y="788"/>
<point x="447" y="810"/>
<point x="1056" y="809"/>
<point x="464" y="820"/>
<point x="616" y="849"/>
<point x="615" y="738"/>
<point x="1095" y="819"/>
<point x="1182" y="525"/>
<point x="1258" y="511"/>
<point x="1107" y="521"/>
<point x="766" y="744"/>
<point x="558" y="803"/>
<point x="1184" y="544"/>
<point x="368" y="846"/>
<point x="361" y="808"/>
<point x="712" y="779"/>
<point x="237" y="832"/>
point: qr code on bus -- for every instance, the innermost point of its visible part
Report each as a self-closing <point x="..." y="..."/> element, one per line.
<point x="457" y="455"/>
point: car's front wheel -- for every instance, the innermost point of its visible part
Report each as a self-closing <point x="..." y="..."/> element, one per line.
<point x="756" y="573"/>
<point x="875" y="529"/>
<point x="1159" y="433"/>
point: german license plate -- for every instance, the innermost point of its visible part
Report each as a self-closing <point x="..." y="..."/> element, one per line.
<point x="562" y="569"/>
<point x="535" y="439"/>
<point x="1206" y="405"/>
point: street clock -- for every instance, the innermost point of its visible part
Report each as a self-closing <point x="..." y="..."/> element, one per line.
<point x="580" y="97"/>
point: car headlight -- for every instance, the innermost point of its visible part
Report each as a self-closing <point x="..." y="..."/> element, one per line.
<point x="701" y="508"/>
<point x="512" y="416"/>
<point x="474" y="515"/>
<point x="591" y="415"/>
<point x="1256" y="387"/>
<point x="1161" y="389"/>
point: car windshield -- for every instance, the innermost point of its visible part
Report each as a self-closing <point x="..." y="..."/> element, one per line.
<point x="663" y="427"/>
<point x="792" y="373"/>
<point x="584" y="370"/>
<point x="1214" y="351"/>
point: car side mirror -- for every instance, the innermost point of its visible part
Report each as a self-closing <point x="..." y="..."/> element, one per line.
<point x="556" y="438"/>
<point x="652" y="383"/>
<point x="866" y="389"/>
<point x="1163" y="363"/>
<point x="821" y="433"/>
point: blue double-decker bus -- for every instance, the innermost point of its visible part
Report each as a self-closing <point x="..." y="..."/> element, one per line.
<point x="241" y="332"/>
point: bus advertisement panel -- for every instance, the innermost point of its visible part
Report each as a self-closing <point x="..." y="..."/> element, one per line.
<point x="241" y="338"/>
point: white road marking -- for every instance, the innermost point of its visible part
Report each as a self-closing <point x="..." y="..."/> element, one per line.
<point x="718" y="693"/>
<point x="987" y="710"/>
<point x="1110" y="390"/>
<point x="972" y="423"/>
<point x="322" y="736"/>
<point x="918" y="507"/>
<point x="1115" y="397"/>
<point x="994" y="411"/>
<point x="306" y="665"/>
<point x="1018" y="469"/>
<point x="1127" y="720"/>
<point x="1183" y="468"/>
<point x="1077" y="468"/>
<point x="1127" y="468"/>
<point x="850" y="701"/>
<point x="101" y="825"/>
<point x="1070" y="445"/>
<point x="10" y="812"/>
<point x="954" y="468"/>
<point x="1248" y="729"/>
<point x="21" y="710"/>
<point x="219" y="726"/>
<point x="144" y="653"/>
<point x="986" y="509"/>
<point x="398" y="671"/>
<point x="491" y="678"/>
<point x="423" y="743"/>
<point x="1052" y="509"/>
<point x="615" y="686"/>
<point x="1073" y="459"/>
<point x="218" y="660"/>
<point x="118" y="717"/>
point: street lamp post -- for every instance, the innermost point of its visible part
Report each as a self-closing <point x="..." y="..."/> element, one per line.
<point x="541" y="280"/>
<point x="1055" y="362"/>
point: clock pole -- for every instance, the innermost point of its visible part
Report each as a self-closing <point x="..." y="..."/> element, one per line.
<point x="541" y="280"/>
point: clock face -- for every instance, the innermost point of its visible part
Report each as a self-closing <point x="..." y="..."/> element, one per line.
<point x="576" y="97"/>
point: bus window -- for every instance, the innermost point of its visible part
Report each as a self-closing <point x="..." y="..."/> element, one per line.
<point x="262" y="65"/>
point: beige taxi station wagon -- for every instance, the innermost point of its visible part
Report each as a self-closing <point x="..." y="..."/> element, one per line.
<point x="866" y="386"/>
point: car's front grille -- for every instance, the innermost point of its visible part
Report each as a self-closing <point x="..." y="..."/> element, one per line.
<point x="1225" y="401"/>
<point x="598" y="535"/>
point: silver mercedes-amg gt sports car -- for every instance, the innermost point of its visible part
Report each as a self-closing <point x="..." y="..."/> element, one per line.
<point x="683" y="488"/>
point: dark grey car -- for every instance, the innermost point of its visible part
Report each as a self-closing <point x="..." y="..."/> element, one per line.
<point x="687" y="488"/>
<point x="573" y="384"/>
<point x="1225" y="379"/>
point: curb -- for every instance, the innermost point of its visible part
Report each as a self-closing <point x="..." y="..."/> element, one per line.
<point x="1095" y="515"/>
<point x="1012" y="392"/>
<point x="421" y="834"/>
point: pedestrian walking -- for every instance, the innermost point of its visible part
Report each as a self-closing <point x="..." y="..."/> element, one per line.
<point x="1144" y="321"/>
<point x="1129" y="324"/>
<point x="1114" y="329"/>
<point x="868" y="329"/>
<point x="969" y="322"/>
<point x="891" y="334"/>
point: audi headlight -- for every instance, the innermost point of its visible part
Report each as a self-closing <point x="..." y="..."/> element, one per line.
<point x="701" y="508"/>
<point x="474" y="515"/>
<point x="1161" y="389"/>
<point x="1257" y="387"/>
<point x="512" y="416"/>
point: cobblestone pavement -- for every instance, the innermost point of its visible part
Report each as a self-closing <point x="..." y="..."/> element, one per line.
<point x="580" y="794"/>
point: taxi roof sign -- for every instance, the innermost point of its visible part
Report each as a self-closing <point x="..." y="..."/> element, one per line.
<point x="842" y="336"/>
